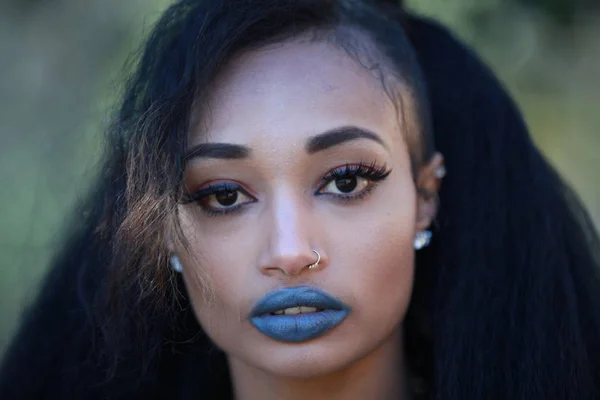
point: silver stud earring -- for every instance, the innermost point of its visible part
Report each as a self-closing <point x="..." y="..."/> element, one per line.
<point x="440" y="172"/>
<point x="175" y="263"/>
<point x="422" y="239"/>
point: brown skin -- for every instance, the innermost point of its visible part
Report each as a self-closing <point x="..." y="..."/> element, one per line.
<point x="273" y="100"/>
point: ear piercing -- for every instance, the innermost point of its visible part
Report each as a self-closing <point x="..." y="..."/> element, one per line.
<point x="316" y="263"/>
<point x="440" y="172"/>
<point x="175" y="263"/>
<point x="422" y="239"/>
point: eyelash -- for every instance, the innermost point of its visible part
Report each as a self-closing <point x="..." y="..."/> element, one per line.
<point x="371" y="172"/>
<point x="222" y="187"/>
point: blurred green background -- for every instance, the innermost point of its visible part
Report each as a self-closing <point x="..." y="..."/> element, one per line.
<point x="61" y="64"/>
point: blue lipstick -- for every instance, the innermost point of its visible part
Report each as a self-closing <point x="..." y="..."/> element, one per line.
<point x="269" y="318"/>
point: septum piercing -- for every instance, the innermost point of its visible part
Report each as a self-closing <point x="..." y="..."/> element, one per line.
<point x="316" y="263"/>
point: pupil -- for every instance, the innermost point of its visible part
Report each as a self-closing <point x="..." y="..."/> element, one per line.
<point x="346" y="185"/>
<point x="227" y="198"/>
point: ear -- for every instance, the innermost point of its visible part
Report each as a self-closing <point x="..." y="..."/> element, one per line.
<point x="428" y="182"/>
<point x="168" y="241"/>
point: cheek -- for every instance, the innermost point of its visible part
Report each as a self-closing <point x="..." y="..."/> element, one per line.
<point x="377" y="261"/>
<point x="386" y="275"/>
<point x="387" y="256"/>
<point x="215" y="274"/>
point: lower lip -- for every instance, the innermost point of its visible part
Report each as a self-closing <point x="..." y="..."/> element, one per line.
<point x="299" y="327"/>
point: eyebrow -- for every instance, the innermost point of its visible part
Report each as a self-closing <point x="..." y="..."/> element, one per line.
<point x="218" y="150"/>
<point x="337" y="136"/>
<point x="317" y="143"/>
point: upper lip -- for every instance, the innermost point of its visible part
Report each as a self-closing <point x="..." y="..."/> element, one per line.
<point x="306" y="296"/>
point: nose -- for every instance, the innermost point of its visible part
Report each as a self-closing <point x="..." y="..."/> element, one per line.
<point x="292" y="235"/>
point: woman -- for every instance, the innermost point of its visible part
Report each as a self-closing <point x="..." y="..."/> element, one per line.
<point x="271" y="223"/>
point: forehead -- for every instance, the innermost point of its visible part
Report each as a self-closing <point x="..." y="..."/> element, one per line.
<point x="291" y="90"/>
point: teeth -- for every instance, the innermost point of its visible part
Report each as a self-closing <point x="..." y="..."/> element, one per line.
<point x="296" y="310"/>
<point x="292" y="311"/>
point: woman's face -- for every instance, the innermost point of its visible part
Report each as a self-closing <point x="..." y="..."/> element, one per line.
<point x="299" y="149"/>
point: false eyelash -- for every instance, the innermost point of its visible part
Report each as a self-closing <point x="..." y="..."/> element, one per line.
<point x="200" y="194"/>
<point x="368" y="171"/>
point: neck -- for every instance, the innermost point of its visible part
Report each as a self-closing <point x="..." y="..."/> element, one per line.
<point x="381" y="375"/>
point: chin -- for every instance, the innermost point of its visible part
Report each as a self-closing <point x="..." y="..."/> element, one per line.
<point x="305" y="360"/>
<point x="304" y="364"/>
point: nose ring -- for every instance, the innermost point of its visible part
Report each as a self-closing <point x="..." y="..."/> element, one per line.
<point x="316" y="263"/>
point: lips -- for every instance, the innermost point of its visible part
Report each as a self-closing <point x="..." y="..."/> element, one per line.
<point x="298" y="314"/>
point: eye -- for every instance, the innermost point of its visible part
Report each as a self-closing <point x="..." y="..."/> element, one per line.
<point x="225" y="198"/>
<point x="346" y="185"/>
<point x="352" y="181"/>
<point x="221" y="198"/>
